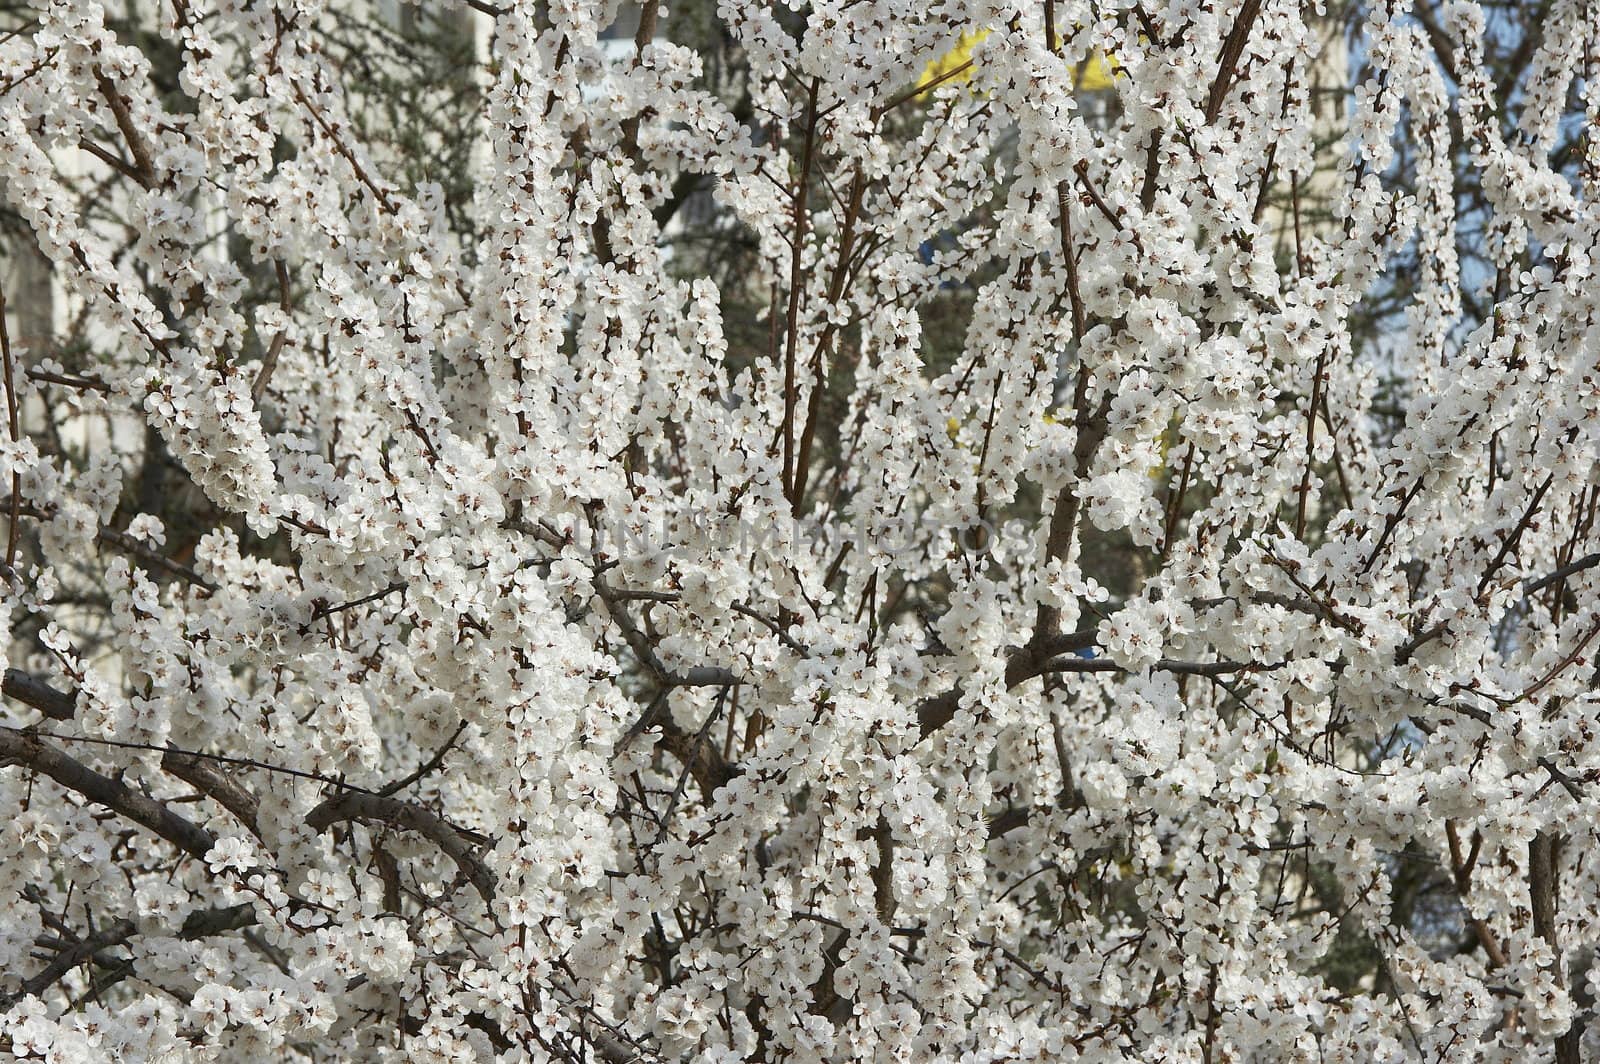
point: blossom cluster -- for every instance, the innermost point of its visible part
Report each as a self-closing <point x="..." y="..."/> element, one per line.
<point x="1029" y="607"/>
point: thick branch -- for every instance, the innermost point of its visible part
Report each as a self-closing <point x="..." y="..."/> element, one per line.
<point x="1543" y="889"/>
<point x="21" y="748"/>
<point x="77" y="953"/>
<point x="57" y="705"/>
<point x="639" y="643"/>
<point x="703" y="760"/>
<point x="1060" y="654"/>
<point x="1461" y="866"/>
<point x="1024" y="664"/>
<point x="1588" y="561"/>
<point x="353" y="805"/>
<point x="204" y="775"/>
<point x="1228" y="62"/>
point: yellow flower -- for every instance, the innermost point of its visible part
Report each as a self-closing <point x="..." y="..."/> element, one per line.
<point x="1095" y="74"/>
<point x="1098" y="72"/>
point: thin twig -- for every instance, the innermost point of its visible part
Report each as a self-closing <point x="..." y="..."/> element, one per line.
<point x="429" y="766"/>
<point x="13" y="422"/>
<point x="270" y="362"/>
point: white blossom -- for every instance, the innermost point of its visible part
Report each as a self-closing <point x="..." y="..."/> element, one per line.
<point x="846" y="531"/>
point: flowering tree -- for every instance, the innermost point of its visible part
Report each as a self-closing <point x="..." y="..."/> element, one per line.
<point x="960" y="598"/>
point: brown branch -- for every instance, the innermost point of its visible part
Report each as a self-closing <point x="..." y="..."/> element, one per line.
<point x="203" y="923"/>
<point x="919" y="89"/>
<point x="1311" y="438"/>
<point x="203" y="775"/>
<point x="337" y="143"/>
<point x="428" y="766"/>
<point x="1152" y="172"/>
<point x="270" y="361"/>
<point x="76" y="953"/>
<point x="354" y="805"/>
<point x="1228" y="61"/>
<point x="1543" y="890"/>
<point x="649" y="14"/>
<point x="1169" y="526"/>
<point x="1442" y="49"/>
<point x="57" y="705"/>
<point x="1559" y="667"/>
<point x="13" y="423"/>
<point x="27" y="750"/>
<point x="1588" y="561"/>
<point x="144" y="170"/>
<point x="221" y="759"/>
<point x="1024" y="663"/>
<point x="1069" y="260"/>
<point x="322" y="609"/>
<point x="934" y="713"/>
<point x="155" y="559"/>
<point x="1105" y="209"/>
<point x="1089" y="425"/>
<point x="639" y="643"/>
<point x="797" y="281"/>
<point x="702" y="759"/>
<point x="1461" y="871"/>
<point x="110" y="158"/>
<point x="85" y="383"/>
<point x="1407" y="650"/>
<point x="824" y="349"/>
<point x="194" y="767"/>
<point x="121" y="541"/>
<point x="1091" y="428"/>
<point x="1511" y="541"/>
